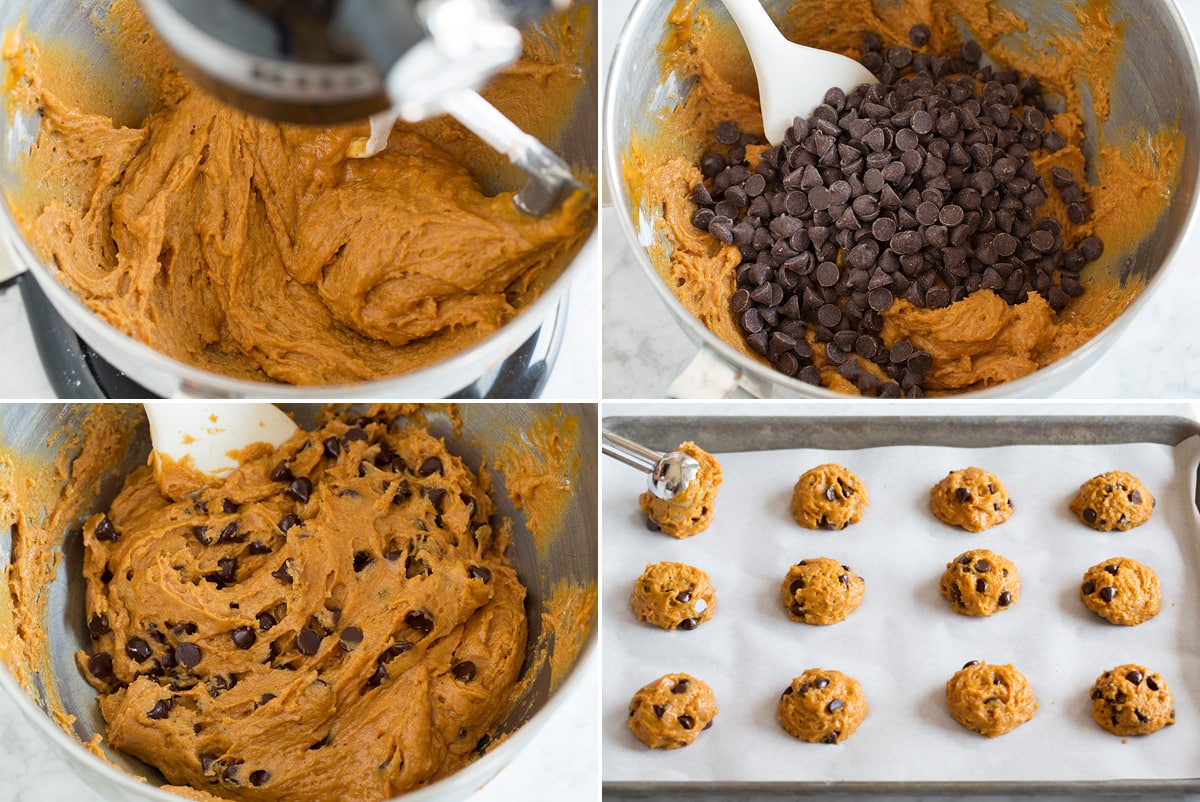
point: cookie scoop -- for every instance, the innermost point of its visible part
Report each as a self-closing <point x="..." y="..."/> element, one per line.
<point x="668" y="475"/>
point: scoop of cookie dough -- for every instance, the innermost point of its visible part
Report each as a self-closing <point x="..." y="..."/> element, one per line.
<point x="1132" y="700"/>
<point x="991" y="700"/>
<point x="673" y="595"/>
<point x="822" y="706"/>
<point x="336" y="614"/>
<point x="691" y="511"/>
<point x="1113" y="500"/>
<point x="828" y="497"/>
<point x="971" y="498"/>
<point x="672" y="711"/>
<point x="821" y="591"/>
<point x="980" y="582"/>
<point x="1121" y="590"/>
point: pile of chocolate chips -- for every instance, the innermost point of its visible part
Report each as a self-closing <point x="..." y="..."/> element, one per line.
<point x="918" y="187"/>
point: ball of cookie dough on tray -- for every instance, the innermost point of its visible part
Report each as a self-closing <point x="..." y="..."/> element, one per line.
<point x="822" y="706"/>
<point x="1121" y="590"/>
<point x="672" y="711"/>
<point x="821" y="591"/>
<point x="971" y="498"/>
<point x="691" y="511"/>
<point x="1113" y="500"/>
<point x="980" y="582"/>
<point x="828" y="497"/>
<point x="1132" y="700"/>
<point x="990" y="699"/>
<point x="673" y="596"/>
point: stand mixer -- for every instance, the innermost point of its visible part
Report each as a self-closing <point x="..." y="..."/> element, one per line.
<point x="330" y="61"/>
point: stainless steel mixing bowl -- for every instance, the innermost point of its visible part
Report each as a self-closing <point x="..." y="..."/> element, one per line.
<point x="74" y="25"/>
<point x="1157" y="84"/>
<point x="35" y="433"/>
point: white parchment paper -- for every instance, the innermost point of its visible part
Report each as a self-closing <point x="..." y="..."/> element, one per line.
<point x="904" y="641"/>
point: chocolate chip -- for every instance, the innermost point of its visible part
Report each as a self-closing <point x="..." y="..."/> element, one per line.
<point x="970" y="663"/>
<point x="137" y="649"/>
<point x="244" y="637"/>
<point x="981" y="585"/>
<point x="1005" y="599"/>
<point x="1151" y="684"/>
<point x="420" y="620"/>
<point x="226" y="573"/>
<point x="100" y="665"/>
<point x="188" y="654"/>
<point x="1135" y="497"/>
<point x="161" y="710"/>
<point x="480" y="572"/>
<point x="1107" y="594"/>
<point x="396" y="649"/>
<point x="686" y="721"/>
<point x="106" y="531"/>
<point x="463" y="671"/>
<point x="1112" y="569"/>
<point x="283" y="572"/>
<point x="728" y="133"/>
<point x="834" y="705"/>
<point x="308" y="642"/>
<point x="300" y="489"/>
<point x="1089" y="515"/>
<point x="820" y="683"/>
<point x="1088" y="588"/>
<point x="983" y="566"/>
<point x="281" y="473"/>
<point x="361" y="560"/>
<point x="689" y="624"/>
<point x="98" y="626"/>
<point x="266" y="621"/>
<point x="430" y="466"/>
<point x="230" y="534"/>
<point x="259" y="777"/>
<point x="919" y="34"/>
<point x="1134" y="676"/>
<point x="288" y="521"/>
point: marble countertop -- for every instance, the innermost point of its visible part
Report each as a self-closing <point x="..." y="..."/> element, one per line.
<point x="645" y="348"/>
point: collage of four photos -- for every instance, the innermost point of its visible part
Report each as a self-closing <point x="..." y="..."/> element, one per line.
<point x="599" y="399"/>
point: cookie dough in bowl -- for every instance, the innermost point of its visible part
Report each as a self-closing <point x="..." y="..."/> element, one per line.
<point x="244" y="253"/>
<point x="262" y="636"/>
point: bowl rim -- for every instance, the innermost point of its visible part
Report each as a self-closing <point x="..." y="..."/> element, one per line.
<point x="1052" y="377"/>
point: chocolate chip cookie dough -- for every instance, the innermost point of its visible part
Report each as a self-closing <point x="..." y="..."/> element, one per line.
<point x="971" y="498"/>
<point x="673" y="596"/>
<point x="336" y="617"/>
<point x="980" y="582"/>
<point x="691" y="511"/>
<point x="821" y="591"/>
<point x="1113" y="500"/>
<point x="1132" y="700"/>
<point x="672" y="711"/>
<point x="990" y="699"/>
<point x="828" y="497"/>
<point x="264" y="251"/>
<point x="1121" y="591"/>
<point x="822" y="706"/>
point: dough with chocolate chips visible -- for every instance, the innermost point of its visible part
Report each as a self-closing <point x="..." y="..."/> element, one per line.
<point x="989" y="699"/>
<point x="1132" y="700"/>
<point x="691" y="511"/>
<point x="672" y="711"/>
<point x="673" y="596"/>
<point x="1113" y="500"/>
<point x="828" y="497"/>
<point x="821" y="591"/>
<point x="971" y="498"/>
<point x="980" y="582"/>
<point x="336" y="614"/>
<point x="1122" y="591"/>
<point x="822" y="706"/>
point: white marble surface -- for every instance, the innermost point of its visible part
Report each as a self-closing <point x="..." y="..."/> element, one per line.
<point x="575" y="375"/>
<point x="645" y="348"/>
<point x="561" y="763"/>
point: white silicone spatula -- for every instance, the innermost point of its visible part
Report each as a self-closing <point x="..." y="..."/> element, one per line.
<point x="792" y="78"/>
<point x="212" y="434"/>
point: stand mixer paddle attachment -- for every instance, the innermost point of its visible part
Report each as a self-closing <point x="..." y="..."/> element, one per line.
<point x="331" y="61"/>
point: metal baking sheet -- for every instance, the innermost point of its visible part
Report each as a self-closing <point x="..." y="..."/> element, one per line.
<point x="838" y="435"/>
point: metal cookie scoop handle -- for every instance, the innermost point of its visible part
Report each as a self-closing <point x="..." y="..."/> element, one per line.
<point x="792" y="78"/>
<point x="210" y="435"/>
<point x="668" y="475"/>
